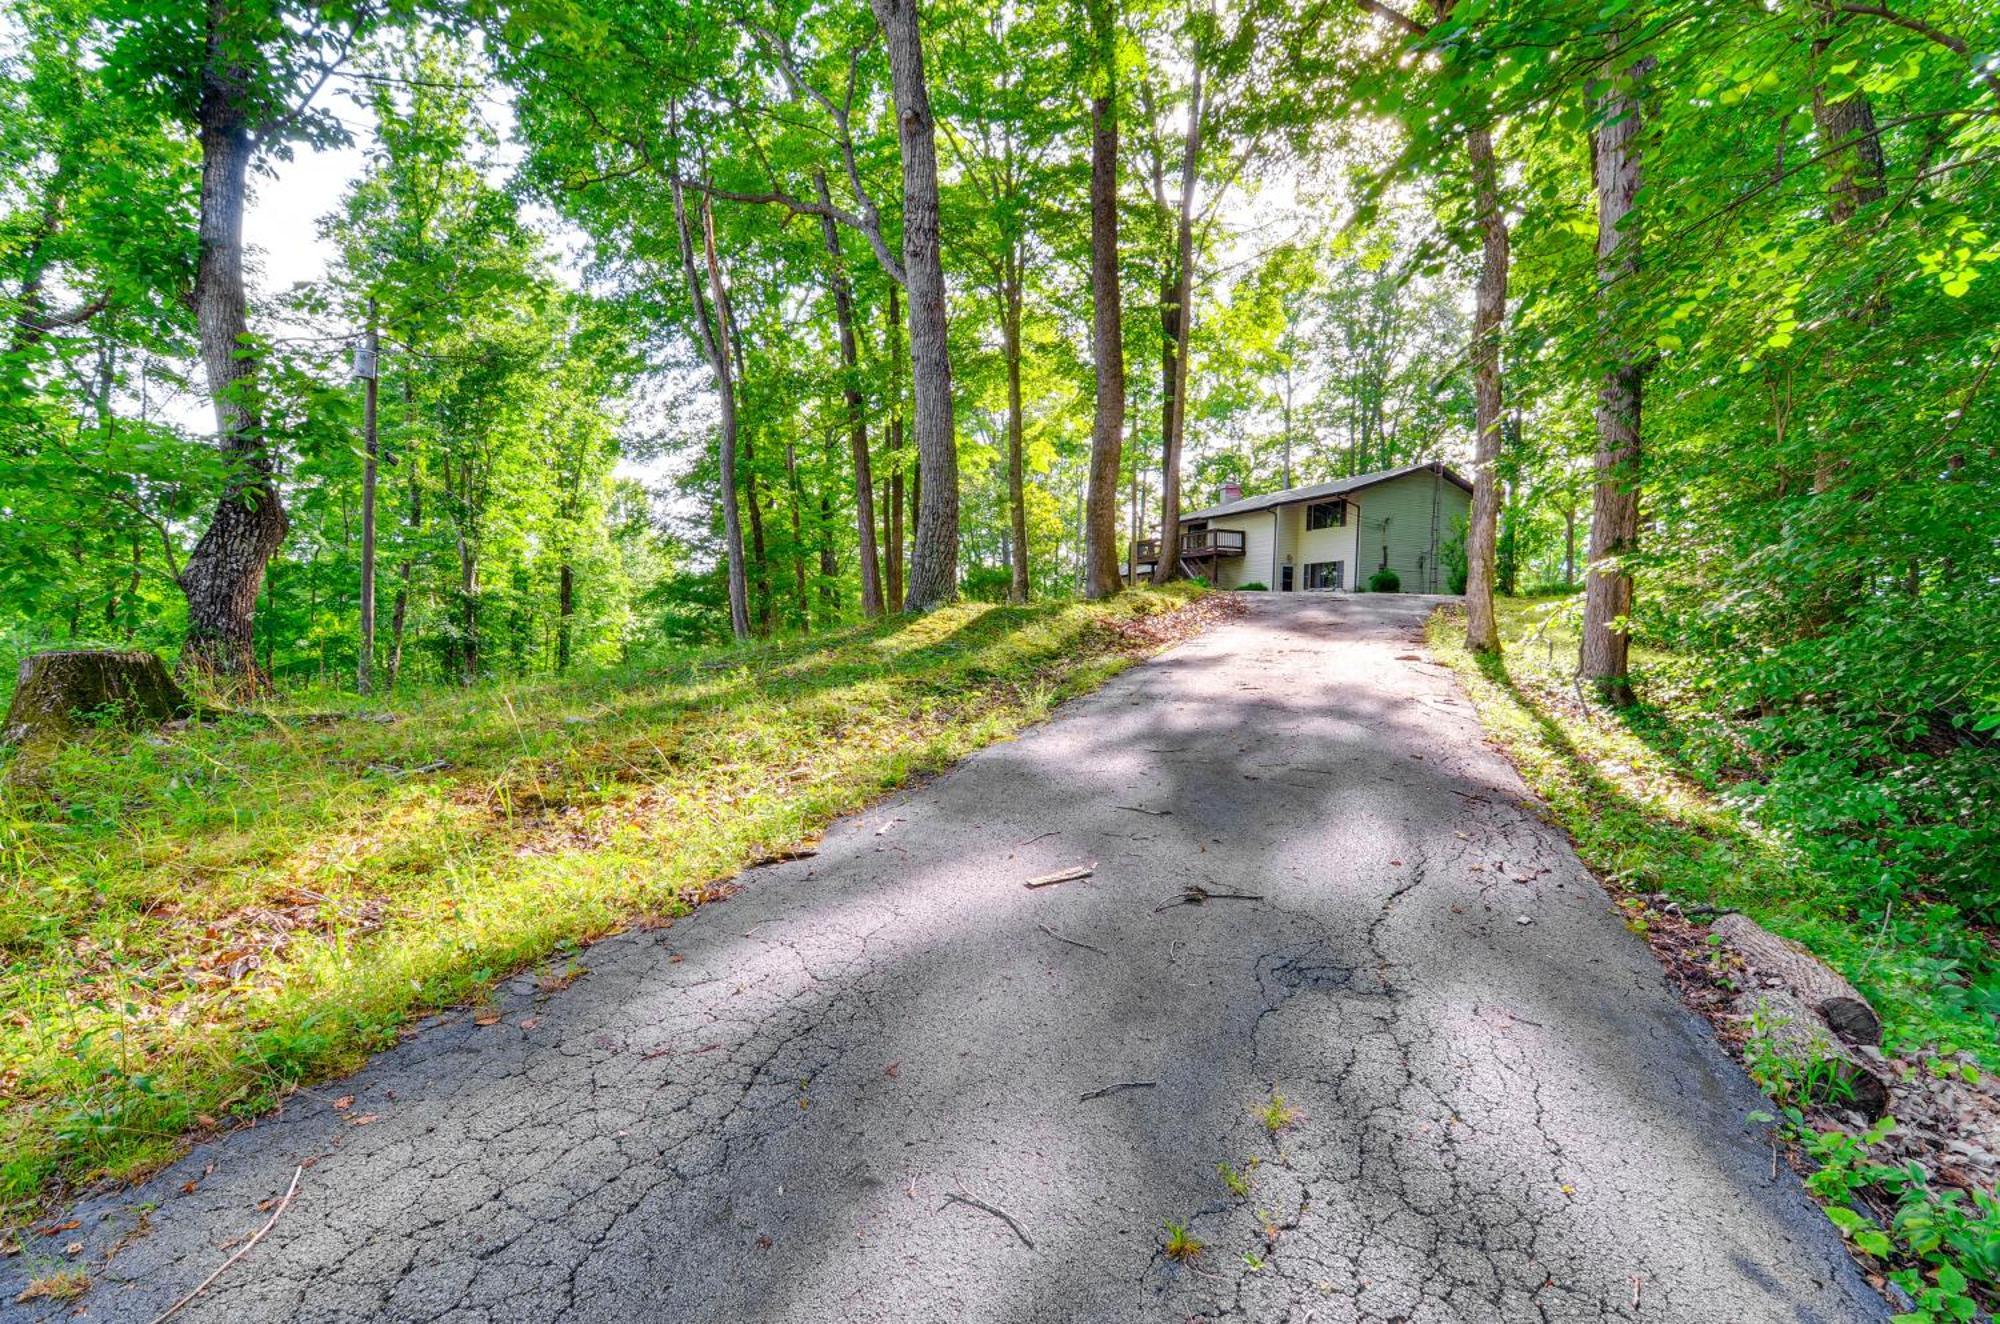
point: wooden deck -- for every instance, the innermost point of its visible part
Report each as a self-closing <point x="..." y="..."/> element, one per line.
<point x="1196" y="545"/>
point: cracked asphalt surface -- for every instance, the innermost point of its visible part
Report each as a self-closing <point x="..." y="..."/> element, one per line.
<point x="758" y="1113"/>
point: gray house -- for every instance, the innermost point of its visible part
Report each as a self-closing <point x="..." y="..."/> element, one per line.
<point x="1328" y="536"/>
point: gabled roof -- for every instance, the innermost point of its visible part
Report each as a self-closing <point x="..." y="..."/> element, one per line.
<point x="1319" y="491"/>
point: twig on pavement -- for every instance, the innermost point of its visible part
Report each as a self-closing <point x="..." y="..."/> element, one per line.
<point x="952" y="1197"/>
<point x="243" y="1250"/>
<point x="1115" y="1088"/>
<point x="1194" y="894"/>
<point x="1071" y="941"/>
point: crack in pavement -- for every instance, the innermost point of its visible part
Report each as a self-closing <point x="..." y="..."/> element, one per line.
<point x="756" y="1113"/>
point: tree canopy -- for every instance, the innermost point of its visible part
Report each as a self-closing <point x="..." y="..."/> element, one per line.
<point x="644" y="323"/>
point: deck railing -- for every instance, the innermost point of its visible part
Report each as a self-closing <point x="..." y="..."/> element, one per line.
<point x="1198" y="542"/>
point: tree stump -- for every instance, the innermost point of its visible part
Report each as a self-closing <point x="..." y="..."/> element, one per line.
<point x="1795" y="1032"/>
<point x="1809" y="978"/>
<point x="60" y="691"/>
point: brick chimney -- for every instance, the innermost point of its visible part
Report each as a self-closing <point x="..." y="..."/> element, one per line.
<point x="1232" y="491"/>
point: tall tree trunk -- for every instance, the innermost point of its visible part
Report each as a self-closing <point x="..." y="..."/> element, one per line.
<point x="934" y="564"/>
<point x="753" y="503"/>
<point x="1132" y="543"/>
<point x="895" y="536"/>
<point x="1856" y="169"/>
<point x="1614" y="514"/>
<point x="1482" y="630"/>
<point x="1017" y="495"/>
<point x="1166" y="565"/>
<point x="1177" y="321"/>
<point x="468" y="608"/>
<point x="225" y="572"/>
<point x="364" y="668"/>
<point x="1100" y="578"/>
<point x="829" y="564"/>
<point x="713" y="331"/>
<point x="1857" y="174"/>
<point x="798" y="498"/>
<point x="857" y="412"/>
<point x="565" y="613"/>
<point x="1569" y="542"/>
<point x="760" y="559"/>
<point x="399" y="615"/>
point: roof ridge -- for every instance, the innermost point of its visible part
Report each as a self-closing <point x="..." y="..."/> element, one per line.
<point x="1330" y="487"/>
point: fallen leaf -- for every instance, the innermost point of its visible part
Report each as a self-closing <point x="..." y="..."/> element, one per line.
<point x="57" y="1229"/>
<point x="893" y="1069"/>
<point x="529" y="1022"/>
<point x="343" y="1103"/>
<point x="366" y="1119"/>
<point x="556" y="982"/>
<point x="190" y="1186"/>
<point x="486" y="1016"/>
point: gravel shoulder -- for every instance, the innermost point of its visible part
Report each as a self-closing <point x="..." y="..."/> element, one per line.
<point x="855" y="1090"/>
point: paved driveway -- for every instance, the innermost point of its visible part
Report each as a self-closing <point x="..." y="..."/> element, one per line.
<point x="766" y="1111"/>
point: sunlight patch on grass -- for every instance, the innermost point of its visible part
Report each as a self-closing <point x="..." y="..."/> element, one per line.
<point x="1643" y="822"/>
<point x="193" y="922"/>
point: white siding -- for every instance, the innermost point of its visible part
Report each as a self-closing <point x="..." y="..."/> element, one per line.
<point x="1291" y="524"/>
<point x="1254" y="566"/>
<point x="1334" y="544"/>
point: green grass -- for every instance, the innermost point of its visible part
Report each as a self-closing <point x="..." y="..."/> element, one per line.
<point x="1645" y="818"/>
<point x="194" y="922"/>
<point x="1645" y="795"/>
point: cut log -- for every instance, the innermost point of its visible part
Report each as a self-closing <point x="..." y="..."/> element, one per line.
<point x="1796" y="1033"/>
<point x="1804" y="974"/>
<point x="60" y="691"/>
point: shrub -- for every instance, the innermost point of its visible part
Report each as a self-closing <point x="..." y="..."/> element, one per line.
<point x="986" y="583"/>
<point x="1452" y="554"/>
<point x="1385" y="580"/>
<point x="1254" y="586"/>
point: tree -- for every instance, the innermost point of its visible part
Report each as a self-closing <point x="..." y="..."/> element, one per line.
<point x="1489" y="316"/>
<point x="246" y="89"/>
<point x="1614" y="517"/>
<point x="934" y="566"/>
<point x="857" y="415"/>
<point x="1101" y="554"/>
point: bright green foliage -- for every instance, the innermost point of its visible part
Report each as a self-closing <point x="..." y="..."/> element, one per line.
<point x="1818" y="565"/>
<point x="1642" y="818"/>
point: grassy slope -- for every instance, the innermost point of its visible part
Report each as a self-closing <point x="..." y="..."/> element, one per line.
<point x="194" y="922"/>
<point x="1642" y="819"/>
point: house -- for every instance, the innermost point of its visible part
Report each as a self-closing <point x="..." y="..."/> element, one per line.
<point x="1327" y="536"/>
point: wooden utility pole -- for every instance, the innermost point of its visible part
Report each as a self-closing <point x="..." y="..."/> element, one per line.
<point x="368" y="368"/>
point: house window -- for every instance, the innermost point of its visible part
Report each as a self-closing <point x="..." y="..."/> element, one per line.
<point x="1326" y="515"/>
<point x="1326" y="574"/>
